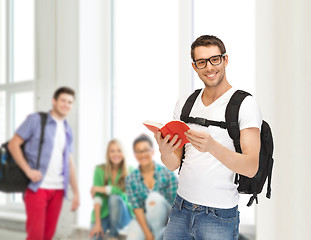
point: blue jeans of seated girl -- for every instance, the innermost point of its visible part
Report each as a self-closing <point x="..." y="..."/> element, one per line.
<point x="189" y="221"/>
<point x="119" y="216"/>
<point x="157" y="210"/>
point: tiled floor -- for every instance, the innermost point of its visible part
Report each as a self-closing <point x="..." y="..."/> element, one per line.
<point x="10" y="235"/>
<point x="13" y="235"/>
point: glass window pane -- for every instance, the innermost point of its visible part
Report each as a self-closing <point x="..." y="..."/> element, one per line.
<point x="145" y="67"/>
<point x="2" y="116"/>
<point x="2" y="132"/>
<point x="16" y="198"/>
<point x="2" y="40"/>
<point x="2" y="199"/>
<point x="23" y="105"/>
<point x="23" y="35"/>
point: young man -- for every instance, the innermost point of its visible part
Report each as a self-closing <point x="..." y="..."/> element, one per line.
<point x="206" y="203"/>
<point x="151" y="190"/>
<point x="49" y="184"/>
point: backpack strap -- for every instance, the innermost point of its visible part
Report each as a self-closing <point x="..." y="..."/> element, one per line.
<point x="182" y="158"/>
<point x="251" y="200"/>
<point x="43" y="117"/>
<point x="268" y="137"/>
<point x="232" y="117"/>
<point x="200" y="121"/>
<point x="185" y="112"/>
<point x="268" y="195"/>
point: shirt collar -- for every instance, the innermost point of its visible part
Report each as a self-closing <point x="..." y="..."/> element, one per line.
<point x="156" y="171"/>
<point x="50" y="120"/>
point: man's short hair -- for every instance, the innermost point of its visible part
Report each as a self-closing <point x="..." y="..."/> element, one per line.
<point x="61" y="90"/>
<point x="205" y="41"/>
<point x="142" y="138"/>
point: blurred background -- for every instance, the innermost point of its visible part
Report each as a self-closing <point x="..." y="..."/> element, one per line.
<point x="129" y="61"/>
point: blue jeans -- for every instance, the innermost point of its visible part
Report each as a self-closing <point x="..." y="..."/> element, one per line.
<point x="157" y="210"/>
<point x="189" y="221"/>
<point x="119" y="216"/>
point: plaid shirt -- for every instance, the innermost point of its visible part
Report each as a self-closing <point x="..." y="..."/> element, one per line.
<point x="137" y="191"/>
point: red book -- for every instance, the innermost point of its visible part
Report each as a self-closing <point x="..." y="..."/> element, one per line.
<point x="172" y="128"/>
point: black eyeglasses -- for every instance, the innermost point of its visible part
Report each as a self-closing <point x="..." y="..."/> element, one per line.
<point x="147" y="150"/>
<point x="214" y="60"/>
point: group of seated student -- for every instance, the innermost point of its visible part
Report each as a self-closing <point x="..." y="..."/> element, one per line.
<point x="140" y="198"/>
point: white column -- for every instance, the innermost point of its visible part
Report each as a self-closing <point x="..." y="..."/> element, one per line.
<point x="67" y="74"/>
<point x="57" y="64"/>
<point x="283" y="86"/>
<point x="45" y="40"/>
<point x="94" y="94"/>
<point x="185" y="41"/>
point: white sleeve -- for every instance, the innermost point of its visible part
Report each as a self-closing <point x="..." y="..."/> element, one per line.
<point x="98" y="200"/>
<point x="108" y="189"/>
<point x="177" y="111"/>
<point x="178" y="107"/>
<point x="249" y="114"/>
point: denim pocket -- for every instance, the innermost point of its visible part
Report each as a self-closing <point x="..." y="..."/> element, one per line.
<point x="225" y="215"/>
<point x="174" y="205"/>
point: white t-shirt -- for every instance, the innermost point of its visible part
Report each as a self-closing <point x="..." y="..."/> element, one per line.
<point x="54" y="178"/>
<point x="203" y="179"/>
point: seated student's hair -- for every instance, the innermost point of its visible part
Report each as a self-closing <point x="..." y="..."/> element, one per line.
<point x="108" y="165"/>
<point x="142" y="138"/>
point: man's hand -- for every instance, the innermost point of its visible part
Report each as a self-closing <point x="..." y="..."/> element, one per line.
<point x="97" y="231"/>
<point x="170" y="153"/>
<point x="202" y="141"/>
<point x="34" y="175"/>
<point x="166" y="146"/>
<point x="75" y="202"/>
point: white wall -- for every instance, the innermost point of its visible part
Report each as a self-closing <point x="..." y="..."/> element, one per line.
<point x="283" y="87"/>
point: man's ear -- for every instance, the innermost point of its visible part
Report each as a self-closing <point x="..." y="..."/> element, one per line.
<point x="53" y="101"/>
<point x="226" y="60"/>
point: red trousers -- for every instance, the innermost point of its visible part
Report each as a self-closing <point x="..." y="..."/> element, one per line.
<point x="42" y="210"/>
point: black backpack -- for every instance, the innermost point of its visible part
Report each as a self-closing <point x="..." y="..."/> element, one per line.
<point x="12" y="178"/>
<point x="247" y="185"/>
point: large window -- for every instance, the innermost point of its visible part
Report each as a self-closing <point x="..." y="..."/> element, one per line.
<point x="2" y="41"/>
<point x="17" y="73"/>
<point x="145" y="64"/>
<point x="23" y="40"/>
<point x="234" y="23"/>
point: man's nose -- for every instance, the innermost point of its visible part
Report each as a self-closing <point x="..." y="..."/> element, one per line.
<point x="209" y="66"/>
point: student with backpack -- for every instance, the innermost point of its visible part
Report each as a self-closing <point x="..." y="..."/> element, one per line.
<point x="206" y="205"/>
<point x="49" y="180"/>
<point x="112" y="210"/>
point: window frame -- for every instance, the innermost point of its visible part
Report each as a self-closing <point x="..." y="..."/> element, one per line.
<point x="10" y="88"/>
